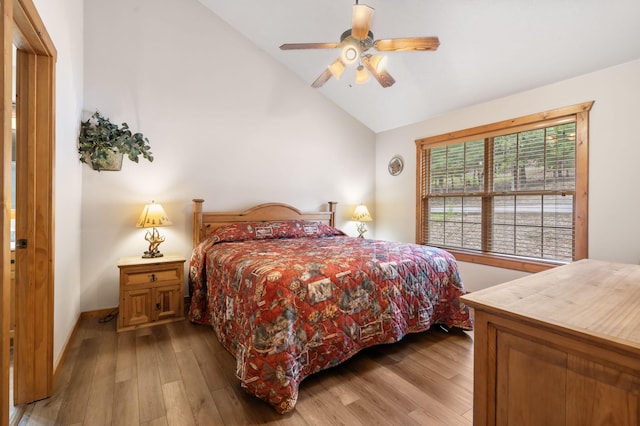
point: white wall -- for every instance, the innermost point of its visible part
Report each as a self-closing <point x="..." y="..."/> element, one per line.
<point x="613" y="163"/>
<point x="226" y="123"/>
<point x="63" y="20"/>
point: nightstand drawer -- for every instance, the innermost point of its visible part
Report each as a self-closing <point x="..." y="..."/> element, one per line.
<point x="156" y="276"/>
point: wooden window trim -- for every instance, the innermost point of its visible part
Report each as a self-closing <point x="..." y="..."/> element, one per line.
<point x="578" y="113"/>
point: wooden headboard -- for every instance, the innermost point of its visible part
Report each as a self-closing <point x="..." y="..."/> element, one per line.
<point x="204" y="223"/>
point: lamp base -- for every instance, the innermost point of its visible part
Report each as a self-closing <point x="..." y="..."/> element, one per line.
<point x="362" y="228"/>
<point x="154" y="240"/>
<point x="150" y="255"/>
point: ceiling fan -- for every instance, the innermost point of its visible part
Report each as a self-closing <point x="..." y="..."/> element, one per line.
<point x="355" y="44"/>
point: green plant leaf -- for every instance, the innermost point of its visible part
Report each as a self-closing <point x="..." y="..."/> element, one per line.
<point x="99" y="136"/>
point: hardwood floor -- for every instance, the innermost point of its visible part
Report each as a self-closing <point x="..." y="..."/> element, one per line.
<point x="179" y="374"/>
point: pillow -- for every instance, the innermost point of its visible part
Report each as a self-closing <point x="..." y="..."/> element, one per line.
<point x="273" y="229"/>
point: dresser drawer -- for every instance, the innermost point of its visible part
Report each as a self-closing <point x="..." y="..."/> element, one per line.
<point x="133" y="277"/>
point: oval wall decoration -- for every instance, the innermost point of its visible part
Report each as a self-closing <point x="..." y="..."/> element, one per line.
<point x="396" y="164"/>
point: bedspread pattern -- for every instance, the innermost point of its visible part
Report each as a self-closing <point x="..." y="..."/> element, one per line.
<point x="287" y="308"/>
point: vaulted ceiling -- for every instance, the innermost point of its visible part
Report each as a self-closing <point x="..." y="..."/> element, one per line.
<point x="488" y="48"/>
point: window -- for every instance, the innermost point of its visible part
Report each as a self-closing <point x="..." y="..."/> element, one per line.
<point x="511" y="194"/>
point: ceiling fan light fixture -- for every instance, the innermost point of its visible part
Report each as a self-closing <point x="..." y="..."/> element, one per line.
<point x="378" y="62"/>
<point x="350" y="53"/>
<point x="362" y="76"/>
<point x="362" y="17"/>
<point x="337" y="68"/>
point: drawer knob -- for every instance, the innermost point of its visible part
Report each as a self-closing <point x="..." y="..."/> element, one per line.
<point x="153" y="277"/>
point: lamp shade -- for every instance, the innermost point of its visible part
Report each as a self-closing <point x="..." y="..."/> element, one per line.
<point x="336" y="68"/>
<point x="378" y="62"/>
<point x="361" y="214"/>
<point x="362" y="76"/>
<point x="152" y="216"/>
<point x="362" y="17"/>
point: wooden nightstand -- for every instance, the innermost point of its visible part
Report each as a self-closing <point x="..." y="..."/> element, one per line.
<point x="151" y="291"/>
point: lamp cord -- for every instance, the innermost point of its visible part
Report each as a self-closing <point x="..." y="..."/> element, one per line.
<point x="111" y="315"/>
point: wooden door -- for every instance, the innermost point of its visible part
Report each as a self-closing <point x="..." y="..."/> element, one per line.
<point x="35" y="76"/>
<point x="530" y="383"/>
<point x="136" y="307"/>
<point x="552" y="382"/>
<point x="168" y="301"/>
<point x="5" y="213"/>
<point x="33" y="361"/>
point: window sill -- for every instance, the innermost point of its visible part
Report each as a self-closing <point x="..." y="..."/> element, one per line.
<point x="508" y="262"/>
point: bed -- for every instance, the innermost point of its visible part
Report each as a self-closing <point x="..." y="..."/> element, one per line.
<point x="289" y="295"/>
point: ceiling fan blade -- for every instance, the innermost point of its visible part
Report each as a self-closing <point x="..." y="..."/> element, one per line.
<point x="361" y="22"/>
<point x="322" y="79"/>
<point x="383" y="77"/>
<point x="403" y="44"/>
<point x="294" y="46"/>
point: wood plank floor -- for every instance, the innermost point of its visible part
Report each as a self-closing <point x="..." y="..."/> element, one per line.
<point x="179" y="374"/>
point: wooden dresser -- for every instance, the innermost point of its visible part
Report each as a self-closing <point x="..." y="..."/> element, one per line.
<point x="151" y="291"/>
<point x="561" y="347"/>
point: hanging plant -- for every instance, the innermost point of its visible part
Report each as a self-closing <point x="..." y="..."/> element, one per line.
<point x="103" y="143"/>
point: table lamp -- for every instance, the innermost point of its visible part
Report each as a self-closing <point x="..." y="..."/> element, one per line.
<point x="153" y="216"/>
<point x="361" y="214"/>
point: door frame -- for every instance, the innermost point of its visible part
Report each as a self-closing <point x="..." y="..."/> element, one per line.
<point x="35" y="75"/>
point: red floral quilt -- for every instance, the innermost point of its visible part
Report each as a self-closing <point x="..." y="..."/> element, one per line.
<point x="288" y="299"/>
